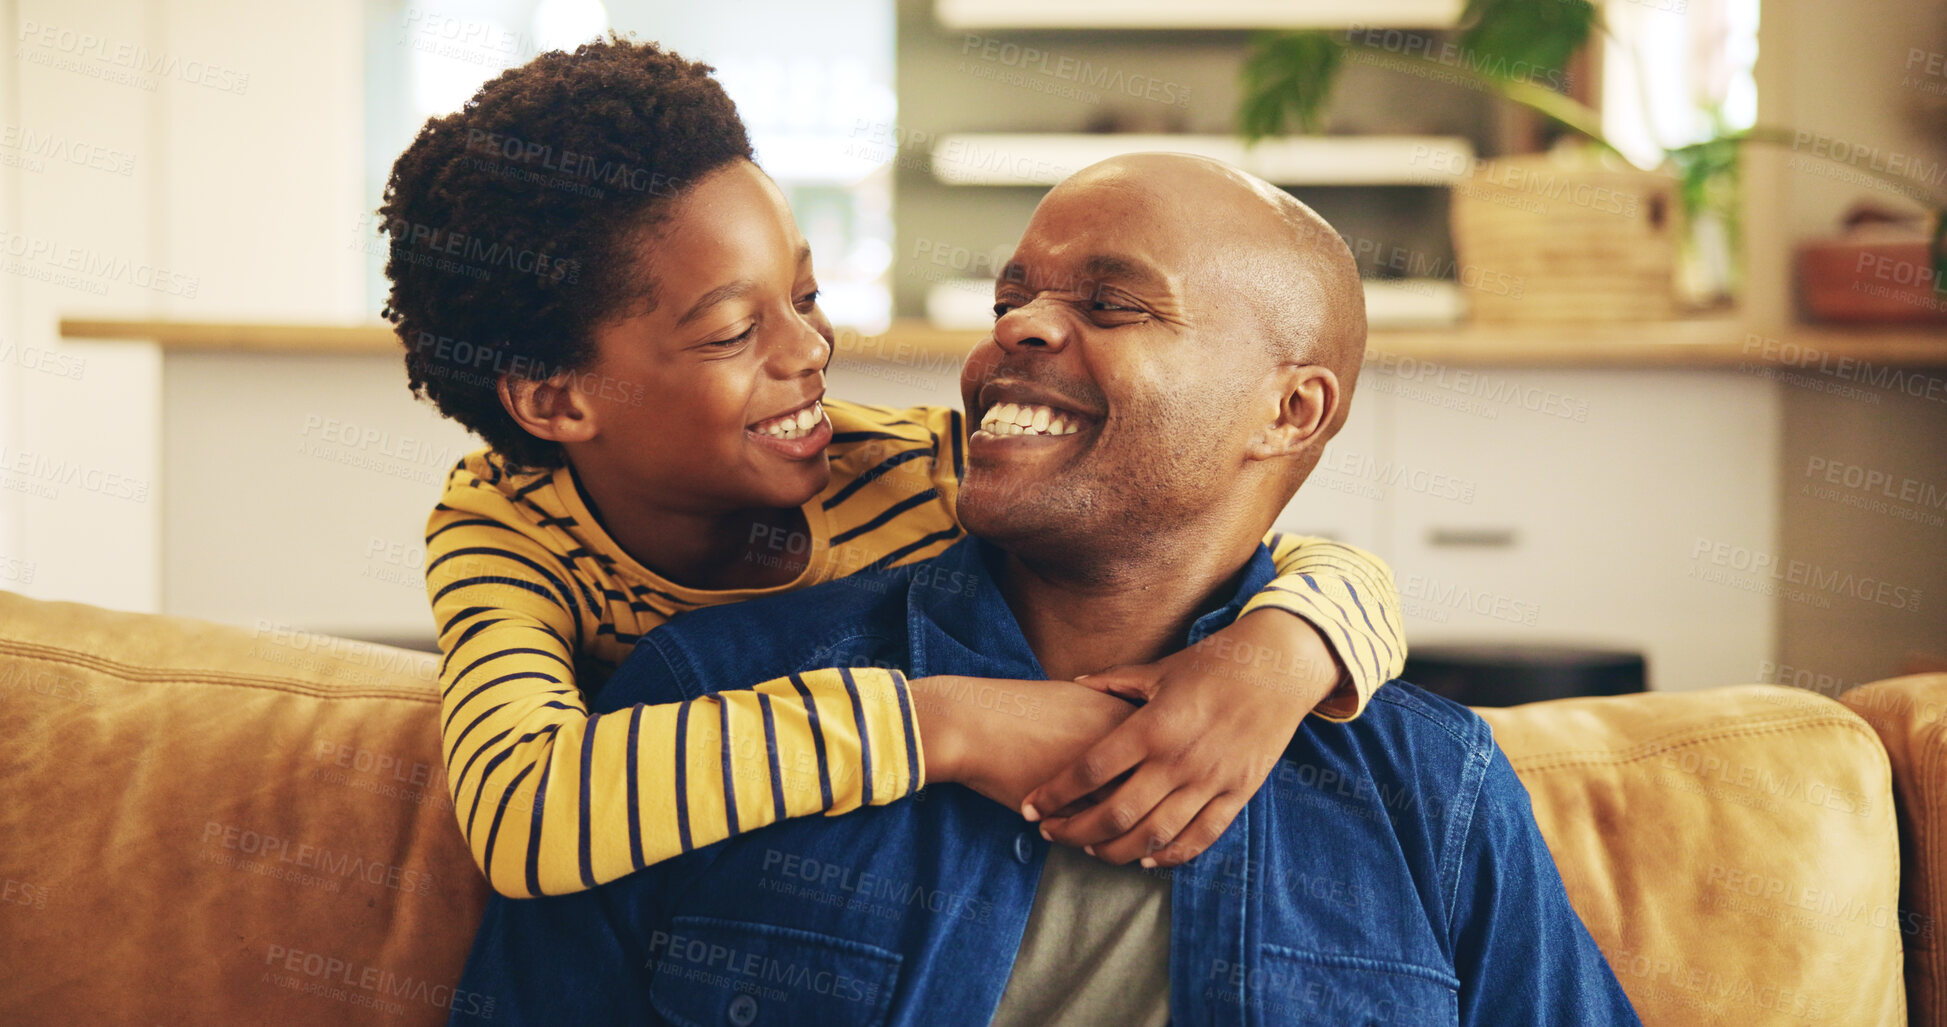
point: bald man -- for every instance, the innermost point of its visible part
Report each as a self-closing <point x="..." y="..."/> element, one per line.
<point x="1175" y="342"/>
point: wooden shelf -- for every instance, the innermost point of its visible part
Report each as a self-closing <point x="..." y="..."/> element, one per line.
<point x="1044" y="158"/>
<point x="371" y="337"/>
<point x="1712" y="343"/>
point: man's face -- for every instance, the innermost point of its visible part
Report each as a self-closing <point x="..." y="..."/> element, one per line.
<point x="1123" y="338"/>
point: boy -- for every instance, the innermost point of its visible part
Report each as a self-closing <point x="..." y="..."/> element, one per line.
<point x="590" y="272"/>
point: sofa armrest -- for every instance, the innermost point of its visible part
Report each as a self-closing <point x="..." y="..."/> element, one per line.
<point x="1910" y="714"/>
<point x="1733" y="851"/>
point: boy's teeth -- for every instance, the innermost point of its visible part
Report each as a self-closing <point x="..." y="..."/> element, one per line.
<point x="795" y="425"/>
<point x="1005" y="419"/>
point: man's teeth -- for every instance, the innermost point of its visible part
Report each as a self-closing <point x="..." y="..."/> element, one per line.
<point x="794" y="425"/>
<point x="1028" y="419"/>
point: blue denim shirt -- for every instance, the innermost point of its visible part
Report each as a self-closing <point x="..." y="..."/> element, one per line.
<point x="1388" y="872"/>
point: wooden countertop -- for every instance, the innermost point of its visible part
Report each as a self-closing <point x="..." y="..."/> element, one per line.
<point x="1701" y="344"/>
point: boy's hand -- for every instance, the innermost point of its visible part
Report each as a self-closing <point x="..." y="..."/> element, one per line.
<point x="1002" y="738"/>
<point x="1219" y="716"/>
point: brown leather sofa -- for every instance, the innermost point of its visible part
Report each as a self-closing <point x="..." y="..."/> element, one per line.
<point x="205" y="824"/>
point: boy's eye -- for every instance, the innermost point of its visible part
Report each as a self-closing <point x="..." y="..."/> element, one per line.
<point x="734" y="340"/>
<point x="808" y="300"/>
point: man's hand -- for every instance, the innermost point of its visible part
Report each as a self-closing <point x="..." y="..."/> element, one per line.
<point x="1002" y="737"/>
<point x="1219" y="716"/>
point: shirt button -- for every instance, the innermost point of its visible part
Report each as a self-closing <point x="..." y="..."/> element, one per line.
<point x="743" y="1010"/>
<point x="1024" y="847"/>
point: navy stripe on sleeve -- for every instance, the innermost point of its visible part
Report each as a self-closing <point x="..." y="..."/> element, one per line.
<point x="865" y="736"/>
<point x="493" y="833"/>
<point x="817" y="741"/>
<point x="906" y="716"/>
<point x="488" y="579"/>
<point x="1344" y="651"/>
<point x="770" y="747"/>
<point x="636" y="858"/>
<point x="682" y="776"/>
<point x="587" y="783"/>
<point x="497" y="654"/>
<point x="1354" y="593"/>
<point x="534" y="832"/>
<point x="501" y="680"/>
<point x="1344" y="626"/>
<point x="729" y="769"/>
<point x="460" y="779"/>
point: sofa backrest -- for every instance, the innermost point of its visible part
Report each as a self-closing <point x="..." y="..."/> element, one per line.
<point x="1733" y="851"/>
<point x="207" y="824"/>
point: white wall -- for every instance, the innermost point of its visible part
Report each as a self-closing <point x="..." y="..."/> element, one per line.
<point x="93" y="231"/>
<point x="240" y="129"/>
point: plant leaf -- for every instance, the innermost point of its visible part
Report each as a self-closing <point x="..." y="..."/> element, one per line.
<point x="1525" y="39"/>
<point x="1287" y="75"/>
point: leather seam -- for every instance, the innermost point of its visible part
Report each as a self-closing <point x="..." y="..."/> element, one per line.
<point x="259" y="682"/>
<point x="1656" y="747"/>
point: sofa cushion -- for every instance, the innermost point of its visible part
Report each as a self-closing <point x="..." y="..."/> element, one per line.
<point x="1910" y="715"/>
<point x="206" y="824"/>
<point x="1733" y="851"/>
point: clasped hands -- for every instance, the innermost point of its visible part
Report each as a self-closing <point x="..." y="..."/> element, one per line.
<point x="1145" y="762"/>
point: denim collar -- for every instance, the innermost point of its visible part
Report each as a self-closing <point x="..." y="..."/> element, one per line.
<point x="958" y="622"/>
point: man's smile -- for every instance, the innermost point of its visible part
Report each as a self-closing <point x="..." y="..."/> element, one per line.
<point x="1009" y="419"/>
<point x="1014" y="409"/>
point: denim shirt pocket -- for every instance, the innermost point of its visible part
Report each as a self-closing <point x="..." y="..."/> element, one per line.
<point x="1298" y="986"/>
<point x="706" y="970"/>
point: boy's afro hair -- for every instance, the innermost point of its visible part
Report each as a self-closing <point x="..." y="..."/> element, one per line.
<point x="513" y="222"/>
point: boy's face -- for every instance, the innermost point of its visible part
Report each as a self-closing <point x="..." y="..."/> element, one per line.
<point x="715" y="404"/>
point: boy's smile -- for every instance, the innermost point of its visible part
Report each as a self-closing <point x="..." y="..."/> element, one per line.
<point x="798" y="434"/>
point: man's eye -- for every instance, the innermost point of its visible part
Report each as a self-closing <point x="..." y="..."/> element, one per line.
<point x="1001" y="309"/>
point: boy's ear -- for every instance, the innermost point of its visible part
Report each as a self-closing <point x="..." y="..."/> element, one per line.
<point x="552" y="409"/>
<point x="1302" y="400"/>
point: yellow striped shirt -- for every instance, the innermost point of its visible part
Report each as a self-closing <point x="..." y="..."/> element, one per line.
<point x="536" y="605"/>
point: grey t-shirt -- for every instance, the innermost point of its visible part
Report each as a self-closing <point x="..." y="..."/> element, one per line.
<point x="1096" y="949"/>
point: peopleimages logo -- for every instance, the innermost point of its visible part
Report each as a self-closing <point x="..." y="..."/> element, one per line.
<point x="696" y="958"/>
<point x="1774" y="573"/>
<point x="1069" y="68"/>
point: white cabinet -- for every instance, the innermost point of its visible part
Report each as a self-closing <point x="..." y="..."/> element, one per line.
<point x="1634" y="509"/>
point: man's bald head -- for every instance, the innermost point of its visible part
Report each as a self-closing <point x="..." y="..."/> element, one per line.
<point x="1274" y="252"/>
<point x="1175" y="341"/>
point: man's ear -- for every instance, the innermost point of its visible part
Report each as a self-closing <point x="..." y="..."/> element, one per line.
<point x="1303" y="401"/>
<point x="552" y="409"/>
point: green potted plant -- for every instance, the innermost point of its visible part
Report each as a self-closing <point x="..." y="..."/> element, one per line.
<point x="1517" y="50"/>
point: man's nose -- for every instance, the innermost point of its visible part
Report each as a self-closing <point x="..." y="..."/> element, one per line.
<point x="1039" y="325"/>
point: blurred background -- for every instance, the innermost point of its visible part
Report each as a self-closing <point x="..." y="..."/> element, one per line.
<point x="1658" y="369"/>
